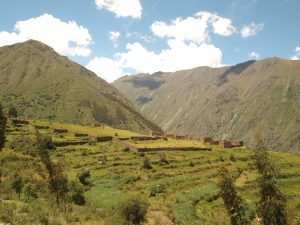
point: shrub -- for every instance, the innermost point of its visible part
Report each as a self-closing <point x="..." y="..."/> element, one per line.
<point x="232" y="158"/>
<point x="12" y="112"/>
<point x="30" y="192"/>
<point x="157" y="189"/>
<point x="147" y="164"/>
<point x="133" y="209"/>
<point x="126" y="149"/>
<point x="192" y="164"/>
<point x="162" y="158"/>
<point x="84" y="177"/>
<point x="142" y="154"/>
<point x="2" y="128"/>
<point x="48" y="143"/>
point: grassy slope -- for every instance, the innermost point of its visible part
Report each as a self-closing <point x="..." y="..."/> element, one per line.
<point x="46" y="86"/>
<point x="229" y="102"/>
<point x="188" y="198"/>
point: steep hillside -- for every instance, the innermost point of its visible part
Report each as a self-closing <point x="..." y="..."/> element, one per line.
<point x="229" y="102"/>
<point x="44" y="85"/>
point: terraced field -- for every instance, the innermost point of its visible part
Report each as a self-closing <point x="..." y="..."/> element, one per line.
<point x="181" y="189"/>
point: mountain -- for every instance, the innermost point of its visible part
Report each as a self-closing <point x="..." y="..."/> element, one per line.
<point x="230" y="102"/>
<point x="43" y="85"/>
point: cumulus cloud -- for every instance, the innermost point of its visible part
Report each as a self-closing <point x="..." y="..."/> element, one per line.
<point x="194" y="28"/>
<point x="188" y="46"/>
<point x="114" y="37"/>
<point x="66" y="38"/>
<point x="296" y="56"/>
<point x="171" y="59"/>
<point x="251" y="29"/>
<point x="254" y="55"/>
<point x="106" y="68"/>
<point x="122" y="8"/>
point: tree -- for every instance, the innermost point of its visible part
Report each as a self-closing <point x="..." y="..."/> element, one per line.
<point x="17" y="184"/>
<point x="43" y="153"/>
<point x="84" y="178"/>
<point x="2" y="128"/>
<point x="58" y="184"/>
<point x="12" y="112"/>
<point x="133" y="209"/>
<point x="234" y="204"/>
<point x="272" y="204"/>
<point x="76" y="193"/>
<point x="30" y="192"/>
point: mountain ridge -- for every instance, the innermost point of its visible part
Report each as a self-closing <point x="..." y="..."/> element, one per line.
<point x="231" y="102"/>
<point x="45" y="85"/>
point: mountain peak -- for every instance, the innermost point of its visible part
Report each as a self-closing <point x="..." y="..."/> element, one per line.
<point x="43" y="85"/>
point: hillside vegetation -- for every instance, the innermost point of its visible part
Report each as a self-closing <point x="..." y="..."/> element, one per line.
<point x="179" y="186"/>
<point x="230" y="102"/>
<point x="43" y="85"/>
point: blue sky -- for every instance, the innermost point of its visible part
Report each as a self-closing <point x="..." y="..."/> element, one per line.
<point x="117" y="37"/>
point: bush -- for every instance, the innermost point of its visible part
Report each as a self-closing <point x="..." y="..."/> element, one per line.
<point x="157" y="189"/>
<point x="147" y="164"/>
<point x="76" y="193"/>
<point x="84" y="178"/>
<point x="232" y="158"/>
<point x="48" y="143"/>
<point x="30" y="192"/>
<point x="192" y="164"/>
<point x="78" y="199"/>
<point x="162" y="158"/>
<point x="126" y="149"/>
<point x="133" y="209"/>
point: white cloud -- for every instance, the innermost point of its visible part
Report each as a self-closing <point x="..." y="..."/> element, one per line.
<point x="194" y="28"/>
<point x="122" y="8"/>
<point x="114" y="37"/>
<point x="254" y="55"/>
<point x="106" y="68"/>
<point x="251" y="29"/>
<point x="187" y="42"/>
<point x="296" y="56"/>
<point x="66" y="38"/>
<point x="170" y="59"/>
<point x="223" y="26"/>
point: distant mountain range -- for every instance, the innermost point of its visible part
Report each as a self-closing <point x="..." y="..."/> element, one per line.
<point x="225" y="103"/>
<point x="43" y="85"/>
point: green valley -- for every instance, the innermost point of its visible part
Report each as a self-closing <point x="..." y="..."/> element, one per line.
<point x="179" y="186"/>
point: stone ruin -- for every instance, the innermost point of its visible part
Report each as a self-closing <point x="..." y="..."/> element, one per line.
<point x="59" y="130"/>
<point x="40" y="127"/>
<point x="80" y="135"/>
<point x="156" y="134"/>
<point x="19" y="122"/>
<point x="102" y="138"/>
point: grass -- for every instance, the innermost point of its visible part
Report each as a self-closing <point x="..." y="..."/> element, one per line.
<point x="189" y="191"/>
<point x="160" y="143"/>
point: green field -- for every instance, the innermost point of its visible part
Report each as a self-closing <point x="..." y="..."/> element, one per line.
<point x="182" y="191"/>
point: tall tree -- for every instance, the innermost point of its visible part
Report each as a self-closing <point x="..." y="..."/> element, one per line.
<point x="58" y="184"/>
<point x="17" y="184"/>
<point x="272" y="204"/>
<point x="236" y="207"/>
<point x="2" y="128"/>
